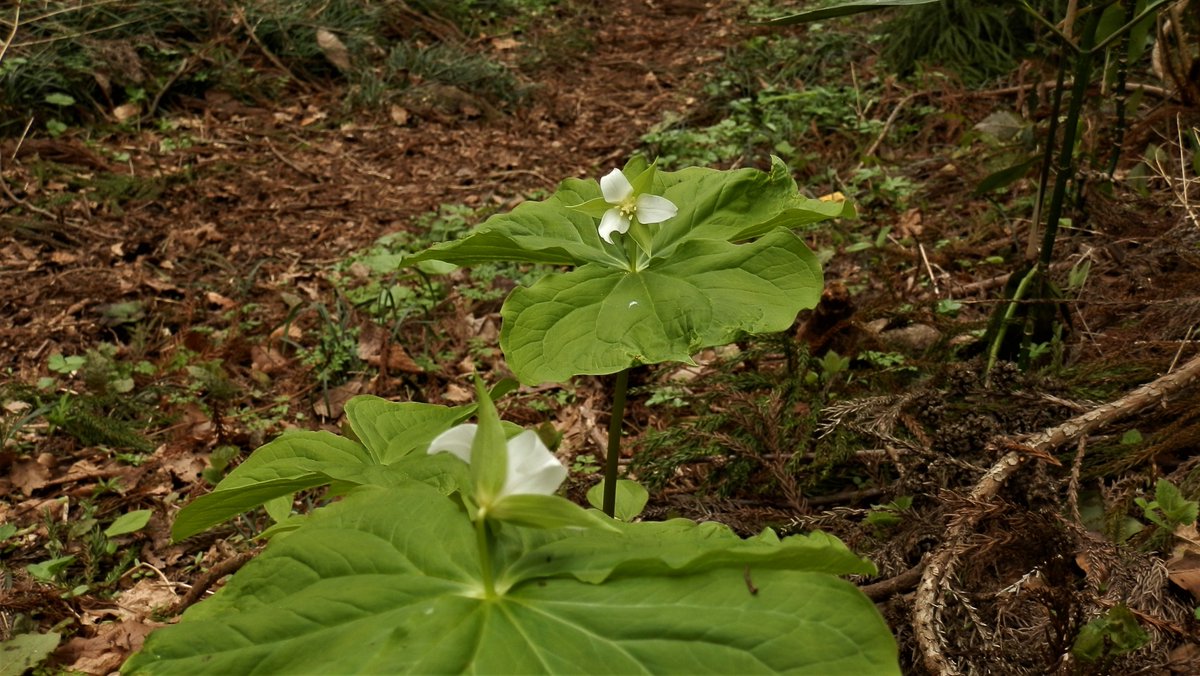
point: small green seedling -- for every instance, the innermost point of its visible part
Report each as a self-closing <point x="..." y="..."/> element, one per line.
<point x="1114" y="633"/>
<point x="1169" y="509"/>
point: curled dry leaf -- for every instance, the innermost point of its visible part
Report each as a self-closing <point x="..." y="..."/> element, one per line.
<point x="377" y="348"/>
<point x="1183" y="568"/>
<point x="333" y="49"/>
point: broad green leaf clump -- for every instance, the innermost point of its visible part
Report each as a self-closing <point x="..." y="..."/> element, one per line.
<point x="449" y="550"/>
<point x="429" y="564"/>
<point x="725" y="264"/>
<point x="388" y="580"/>
<point x="390" y="448"/>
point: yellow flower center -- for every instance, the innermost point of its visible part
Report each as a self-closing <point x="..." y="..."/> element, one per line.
<point x="628" y="208"/>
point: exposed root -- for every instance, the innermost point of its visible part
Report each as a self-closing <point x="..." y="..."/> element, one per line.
<point x="930" y="596"/>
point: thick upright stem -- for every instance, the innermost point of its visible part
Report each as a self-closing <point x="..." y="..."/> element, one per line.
<point x="1083" y="71"/>
<point x="614" y="442"/>
<point x="485" y="558"/>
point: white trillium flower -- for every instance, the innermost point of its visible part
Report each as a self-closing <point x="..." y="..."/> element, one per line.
<point x="618" y="191"/>
<point x="532" y="468"/>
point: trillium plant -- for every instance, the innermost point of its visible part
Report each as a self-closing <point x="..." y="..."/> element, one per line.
<point x="628" y="205"/>
<point x="444" y="546"/>
<point x="663" y="264"/>
<point x="449" y="552"/>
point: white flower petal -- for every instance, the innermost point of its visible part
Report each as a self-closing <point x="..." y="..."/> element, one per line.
<point x="532" y="468"/>
<point x="615" y="187"/>
<point x="611" y="222"/>
<point x="456" y="440"/>
<point x="655" y="208"/>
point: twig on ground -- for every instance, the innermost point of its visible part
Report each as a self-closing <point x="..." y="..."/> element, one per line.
<point x="1160" y="92"/>
<point x="884" y="589"/>
<point x="312" y="175"/>
<point x="927" y="617"/>
<point x="887" y="125"/>
<point x="227" y="567"/>
<point x="12" y="35"/>
<point x="929" y="269"/>
<point x="153" y="107"/>
<point x="239" y="15"/>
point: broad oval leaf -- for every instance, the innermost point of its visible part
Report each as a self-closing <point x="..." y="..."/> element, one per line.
<point x="631" y="499"/>
<point x="679" y="547"/>
<point x="596" y="320"/>
<point x="394" y="439"/>
<point x="130" y="522"/>
<point x="390" y="430"/>
<point x="724" y="265"/>
<point x="388" y="581"/>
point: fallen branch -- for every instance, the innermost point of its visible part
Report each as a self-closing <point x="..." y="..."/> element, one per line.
<point x="927" y="616"/>
<point x="885" y="589"/>
<point x="212" y="576"/>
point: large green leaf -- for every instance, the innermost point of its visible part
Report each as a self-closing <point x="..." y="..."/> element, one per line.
<point x="390" y="433"/>
<point x="390" y="430"/>
<point x="726" y="205"/>
<point x="844" y="9"/>
<point x="534" y="232"/>
<point x="597" y="320"/>
<point x="726" y="264"/>
<point x="679" y="547"/>
<point x="735" y="206"/>
<point x="387" y="581"/>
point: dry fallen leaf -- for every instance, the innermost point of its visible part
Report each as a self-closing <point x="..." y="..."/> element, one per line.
<point x="375" y="346"/>
<point x="333" y="403"/>
<point x="333" y="49"/>
<point x="457" y="394"/>
<point x="141" y="600"/>
<point x="267" y="360"/>
<point x="30" y="475"/>
<point x="107" y="650"/>
<point x="910" y="223"/>
<point x="127" y="111"/>
<point x="222" y="302"/>
<point x="1183" y="568"/>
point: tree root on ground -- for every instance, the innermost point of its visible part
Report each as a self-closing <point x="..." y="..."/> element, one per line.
<point x="931" y="592"/>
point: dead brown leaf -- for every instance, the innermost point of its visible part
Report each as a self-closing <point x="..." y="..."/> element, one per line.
<point x="333" y="49"/>
<point x="1183" y="568"/>
<point x="333" y="403"/>
<point x="33" y="474"/>
<point x="107" y="650"/>
<point x="267" y="359"/>
<point x="141" y="600"/>
<point x="457" y="394"/>
<point x="909" y="224"/>
<point x="376" y="347"/>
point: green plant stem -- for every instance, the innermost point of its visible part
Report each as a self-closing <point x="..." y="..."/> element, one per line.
<point x="485" y="558"/>
<point x="1031" y="249"/>
<point x="613" y="457"/>
<point x="1011" y="310"/>
<point x="1122" y="95"/>
<point x="1066" y="154"/>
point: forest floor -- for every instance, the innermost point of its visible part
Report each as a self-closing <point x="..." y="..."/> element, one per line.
<point x="174" y="297"/>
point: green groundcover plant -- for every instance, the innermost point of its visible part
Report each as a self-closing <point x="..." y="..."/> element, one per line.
<point x="702" y="257"/>
<point x="449" y="552"/>
<point x="723" y="264"/>
<point x="449" y="549"/>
